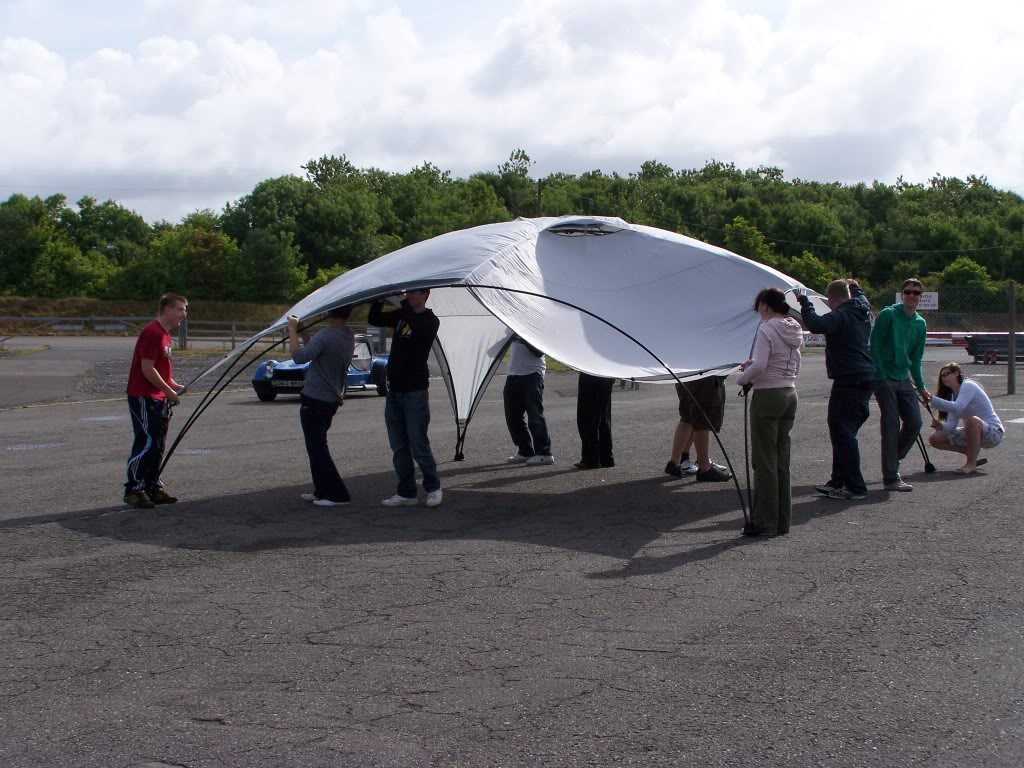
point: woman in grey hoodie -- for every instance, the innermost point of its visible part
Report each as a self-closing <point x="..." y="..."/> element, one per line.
<point x="771" y="372"/>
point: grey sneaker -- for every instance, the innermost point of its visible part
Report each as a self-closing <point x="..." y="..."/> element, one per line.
<point x="329" y="503"/>
<point x="537" y="461"/>
<point x="307" y="496"/>
<point x="400" y="501"/>
<point x="517" y="458"/>
<point x="827" y="488"/>
<point x="899" y="485"/>
<point x="842" y="494"/>
<point x="714" y="474"/>
<point x="433" y="498"/>
<point x="689" y="468"/>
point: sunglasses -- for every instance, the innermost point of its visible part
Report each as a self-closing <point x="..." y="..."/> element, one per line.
<point x="909" y="292"/>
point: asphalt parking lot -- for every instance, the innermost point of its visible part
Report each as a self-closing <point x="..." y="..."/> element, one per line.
<point x="541" y="616"/>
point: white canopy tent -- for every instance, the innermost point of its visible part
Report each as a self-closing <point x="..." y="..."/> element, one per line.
<point x="598" y="294"/>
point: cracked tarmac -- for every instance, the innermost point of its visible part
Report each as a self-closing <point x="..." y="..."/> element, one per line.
<point x="540" y="617"/>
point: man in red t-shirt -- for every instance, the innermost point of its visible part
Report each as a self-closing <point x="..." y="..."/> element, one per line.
<point x="152" y="391"/>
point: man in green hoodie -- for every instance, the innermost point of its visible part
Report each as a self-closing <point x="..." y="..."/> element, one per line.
<point x="897" y="347"/>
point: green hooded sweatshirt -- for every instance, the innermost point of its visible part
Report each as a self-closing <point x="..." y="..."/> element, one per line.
<point x="897" y="345"/>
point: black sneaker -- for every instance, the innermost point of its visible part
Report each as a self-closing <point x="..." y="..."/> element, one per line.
<point x="585" y="465"/>
<point x="160" y="496"/>
<point x="138" y="500"/>
<point x="844" y="494"/>
<point x="713" y="475"/>
<point x="673" y="469"/>
<point x="827" y="488"/>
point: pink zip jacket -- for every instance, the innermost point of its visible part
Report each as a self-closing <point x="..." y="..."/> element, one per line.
<point x="776" y="358"/>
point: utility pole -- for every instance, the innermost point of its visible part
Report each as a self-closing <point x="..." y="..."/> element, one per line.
<point x="1011" y="342"/>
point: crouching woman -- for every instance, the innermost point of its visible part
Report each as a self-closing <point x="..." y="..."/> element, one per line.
<point x="965" y="401"/>
<point x="772" y="373"/>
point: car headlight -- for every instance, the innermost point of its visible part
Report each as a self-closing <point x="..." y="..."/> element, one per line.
<point x="269" y="370"/>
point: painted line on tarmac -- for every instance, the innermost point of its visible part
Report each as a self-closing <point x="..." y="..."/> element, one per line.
<point x="70" y="402"/>
<point x="33" y="446"/>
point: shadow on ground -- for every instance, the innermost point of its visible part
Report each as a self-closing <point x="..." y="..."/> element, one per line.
<point x="611" y="519"/>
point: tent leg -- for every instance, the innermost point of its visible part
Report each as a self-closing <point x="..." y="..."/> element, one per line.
<point x="459" y="455"/>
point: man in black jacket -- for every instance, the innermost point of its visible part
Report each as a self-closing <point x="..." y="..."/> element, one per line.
<point x="847" y="330"/>
<point x="407" y="410"/>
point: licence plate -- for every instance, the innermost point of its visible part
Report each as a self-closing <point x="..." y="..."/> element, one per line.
<point x="284" y="384"/>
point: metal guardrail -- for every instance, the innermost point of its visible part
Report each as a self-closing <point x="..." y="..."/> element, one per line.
<point x="226" y="332"/>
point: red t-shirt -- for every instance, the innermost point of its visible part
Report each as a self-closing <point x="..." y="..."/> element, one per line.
<point x="154" y="343"/>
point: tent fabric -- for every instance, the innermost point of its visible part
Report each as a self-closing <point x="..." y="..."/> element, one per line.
<point x="596" y="293"/>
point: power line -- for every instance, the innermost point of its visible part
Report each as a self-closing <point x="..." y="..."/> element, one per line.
<point x="100" y="188"/>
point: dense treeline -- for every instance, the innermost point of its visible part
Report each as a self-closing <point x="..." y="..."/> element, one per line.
<point x="292" y="234"/>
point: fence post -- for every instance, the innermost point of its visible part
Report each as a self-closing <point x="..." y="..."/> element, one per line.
<point x="183" y="335"/>
<point x="232" y="334"/>
<point x="1011" y="346"/>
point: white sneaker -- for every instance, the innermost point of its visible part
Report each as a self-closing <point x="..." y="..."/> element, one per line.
<point x="307" y="496"/>
<point x="400" y="501"/>
<point x="329" y="503"/>
<point x="538" y="460"/>
<point x="898" y="485"/>
<point x="433" y="498"/>
<point x="688" y="467"/>
<point x="516" y="458"/>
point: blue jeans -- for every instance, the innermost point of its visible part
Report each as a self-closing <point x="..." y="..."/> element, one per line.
<point x="407" y="416"/>
<point x="316" y="417"/>
<point x="848" y="409"/>
<point x="524" y="396"/>
<point x="897" y="400"/>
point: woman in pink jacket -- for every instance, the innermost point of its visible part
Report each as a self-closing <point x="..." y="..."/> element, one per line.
<point x="771" y="372"/>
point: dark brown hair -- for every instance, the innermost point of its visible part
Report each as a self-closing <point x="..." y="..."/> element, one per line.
<point x="944" y="392"/>
<point x="774" y="299"/>
<point x="912" y="281"/>
<point x="169" y="300"/>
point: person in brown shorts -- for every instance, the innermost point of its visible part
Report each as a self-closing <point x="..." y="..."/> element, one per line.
<point x="700" y="412"/>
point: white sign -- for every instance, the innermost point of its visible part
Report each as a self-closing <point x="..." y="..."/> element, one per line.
<point x="929" y="300"/>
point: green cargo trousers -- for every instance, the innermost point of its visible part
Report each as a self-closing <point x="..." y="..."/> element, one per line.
<point x="772" y="413"/>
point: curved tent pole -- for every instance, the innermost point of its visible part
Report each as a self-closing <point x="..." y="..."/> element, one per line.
<point x="645" y="348"/>
<point x="446" y="376"/>
<point x="212" y="395"/>
<point x="460" y="442"/>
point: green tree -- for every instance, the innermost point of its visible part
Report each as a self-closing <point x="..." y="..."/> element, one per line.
<point x="108" y="228"/>
<point x="63" y="270"/>
<point x="963" y="271"/>
<point x="267" y="268"/>
<point x="28" y="226"/>
<point x="812" y="271"/>
<point x="745" y="239"/>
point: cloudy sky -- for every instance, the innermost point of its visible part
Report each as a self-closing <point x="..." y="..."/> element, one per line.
<point x="172" y="105"/>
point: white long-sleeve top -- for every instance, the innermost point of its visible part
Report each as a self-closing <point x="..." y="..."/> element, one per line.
<point x="970" y="401"/>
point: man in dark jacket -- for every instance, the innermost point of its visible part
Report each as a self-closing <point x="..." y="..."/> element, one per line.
<point x="847" y="330"/>
<point x="407" y="410"/>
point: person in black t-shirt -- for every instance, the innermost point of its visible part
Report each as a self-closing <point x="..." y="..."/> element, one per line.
<point x="407" y="411"/>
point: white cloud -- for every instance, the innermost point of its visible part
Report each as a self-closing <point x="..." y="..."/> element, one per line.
<point x="218" y="95"/>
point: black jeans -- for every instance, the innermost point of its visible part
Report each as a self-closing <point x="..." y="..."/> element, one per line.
<point x="524" y="414"/>
<point x="315" y="417"/>
<point x="594" y="419"/>
<point x="848" y="409"/>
